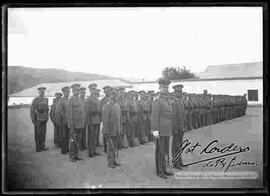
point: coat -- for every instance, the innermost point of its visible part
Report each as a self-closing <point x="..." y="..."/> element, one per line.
<point x="161" y="117"/>
<point x="39" y="110"/>
<point x="178" y="111"/>
<point x="111" y="118"/>
<point x="93" y="110"/>
<point x="75" y="114"/>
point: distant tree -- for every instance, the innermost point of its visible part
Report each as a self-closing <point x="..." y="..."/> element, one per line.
<point x="177" y="73"/>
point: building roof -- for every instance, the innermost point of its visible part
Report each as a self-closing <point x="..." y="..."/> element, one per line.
<point x="52" y="88"/>
<point x="241" y="70"/>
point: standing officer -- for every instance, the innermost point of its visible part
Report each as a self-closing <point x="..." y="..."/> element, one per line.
<point x="103" y="101"/>
<point x="76" y="122"/>
<point x="132" y="119"/>
<point x="178" y="125"/>
<point x="39" y="114"/>
<point x="97" y="94"/>
<point x="142" y="117"/>
<point x="161" y="123"/>
<point x="111" y="118"/>
<point x="61" y="120"/>
<point x="124" y="112"/>
<point x="136" y="119"/>
<point x="92" y="119"/>
<point x="83" y="138"/>
<point x="57" y="136"/>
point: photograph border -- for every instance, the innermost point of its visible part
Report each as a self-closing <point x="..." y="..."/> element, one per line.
<point x="264" y="4"/>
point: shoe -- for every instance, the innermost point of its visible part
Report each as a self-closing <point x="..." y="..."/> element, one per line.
<point x="79" y="159"/>
<point x="97" y="154"/>
<point x="163" y="176"/>
<point x="91" y="155"/>
<point x="45" y="148"/>
<point x="168" y="173"/>
<point x="73" y="160"/>
<point x="38" y="150"/>
<point x="112" y="166"/>
<point x="117" y="164"/>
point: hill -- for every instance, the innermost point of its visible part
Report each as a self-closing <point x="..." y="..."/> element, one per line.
<point x="20" y="78"/>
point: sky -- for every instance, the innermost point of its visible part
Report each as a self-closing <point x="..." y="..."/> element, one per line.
<point x="134" y="42"/>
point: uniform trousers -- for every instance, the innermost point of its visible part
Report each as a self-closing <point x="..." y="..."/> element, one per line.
<point x="64" y="138"/>
<point x="161" y="153"/>
<point x="40" y="135"/>
<point x="92" y="138"/>
<point x="176" y="142"/>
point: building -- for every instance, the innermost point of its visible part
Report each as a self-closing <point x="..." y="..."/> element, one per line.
<point x="231" y="79"/>
<point x="26" y="96"/>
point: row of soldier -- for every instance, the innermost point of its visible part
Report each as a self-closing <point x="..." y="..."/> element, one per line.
<point x="78" y="120"/>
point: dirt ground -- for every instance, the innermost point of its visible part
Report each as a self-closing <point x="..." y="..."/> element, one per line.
<point x="27" y="169"/>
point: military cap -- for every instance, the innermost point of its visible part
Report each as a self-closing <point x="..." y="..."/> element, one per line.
<point x="41" y="88"/>
<point x="82" y="89"/>
<point x="141" y="92"/>
<point x="92" y="85"/>
<point x="65" y="88"/>
<point x="178" y="86"/>
<point x="58" y="93"/>
<point x="107" y="87"/>
<point x="164" y="82"/>
<point x="121" y="88"/>
<point x="76" y="85"/>
<point x="151" y="91"/>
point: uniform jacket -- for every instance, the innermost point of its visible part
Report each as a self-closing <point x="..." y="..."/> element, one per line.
<point x="39" y="110"/>
<point x="111" y="118"/>
<point x="178" y="112"/>
<point x="75" y="112"/>
<point x="161" y="117"/>
<point x="93" y="110"/>
<point x="103" y="101"/>
<point x="142" y="109"/>
<point x="53" y="110"/>
<point x="132" y="108"/>
<point x="60" y="112"/>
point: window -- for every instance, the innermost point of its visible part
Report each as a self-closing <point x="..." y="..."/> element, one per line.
<point x="252" y="95"/>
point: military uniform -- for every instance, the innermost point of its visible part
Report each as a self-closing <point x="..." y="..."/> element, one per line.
<point x="39" y="115"/>
<point x="83" y="137"/>
<point x="112" y="128"/>
<point x="178" y="126"/>
<point x="103" y="101"/>
<point x="61" y="120"/>
<point x="132" y="120"/>
<point x="124" y="118"/>
<point x="57" y="133"/>
<point x="75" y="116"/>
<point x="93" y="120"/>
<point x="161" y="120"/>
<point x="142" y="117"/>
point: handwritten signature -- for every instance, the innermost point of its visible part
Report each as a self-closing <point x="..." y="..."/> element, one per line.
<point x="216" y="161"/>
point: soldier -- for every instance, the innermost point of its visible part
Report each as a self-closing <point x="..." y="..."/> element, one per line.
<point x="111" y="117"/>
<point x="149" y="106"/>
<point x="142" y="117"/>
<point x="136" y="119"/>
<point x="97" y="94"/>
<point x="161" y="123"/>
<point x="103" y="101"/>
<point x="39" y="115"/>
<point x="132" y="119"/>
<point x="57" y="136"/>
<point x="76" y="122"/>
<point x="124" y="112"/>
<point x="92" y="119"/>
<point x="83" y="138"/>
<point x="61" y="120"/>
<point x="178" y="124"/>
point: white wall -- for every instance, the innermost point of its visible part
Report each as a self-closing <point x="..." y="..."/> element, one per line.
<point x="227" y="87"/>
<point x="24" y="100"/>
